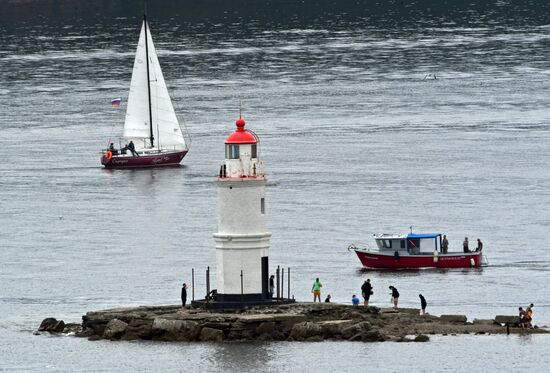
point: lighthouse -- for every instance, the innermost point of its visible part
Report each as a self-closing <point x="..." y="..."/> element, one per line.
<point x="242" y="239"/>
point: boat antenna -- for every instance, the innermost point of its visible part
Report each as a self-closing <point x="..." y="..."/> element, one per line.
<point x="240" y="108"/>
<point x="148" y="76"/>
<point x="411" y="228"/>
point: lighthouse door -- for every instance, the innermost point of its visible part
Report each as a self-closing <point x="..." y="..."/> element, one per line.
<point x="265" y="277"/>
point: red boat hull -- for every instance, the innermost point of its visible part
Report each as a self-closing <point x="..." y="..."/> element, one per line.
<point x="148" y="160"/>
<point x="372" y="259"/>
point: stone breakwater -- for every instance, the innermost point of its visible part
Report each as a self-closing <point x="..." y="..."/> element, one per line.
<point x="291" y="322"/>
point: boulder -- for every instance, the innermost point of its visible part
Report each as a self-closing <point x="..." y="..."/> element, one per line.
<point x="484" y="322"/>
<point x="304" y="330"/>
<point x="115" y="329"/>
<point x="265" y="328"/>
<point x="454" y="318"/>
<point x="501" y="319"/>
<point x="333" y="328"/>
<point x="355" y="329"/>
<point x="211" y="335"/>
<point x="51" y="325"/>
<point x="175" y="330"/>
<point x="421" y="338"/>
<point x="72" y="328"/>
<point x="373" y="335"/>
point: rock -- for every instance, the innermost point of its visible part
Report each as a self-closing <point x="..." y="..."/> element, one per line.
<point x="373" y="335"/>
<point x="454" y="318"/>
<point x="94" y="337"/>
<point x="51" y="325"/>
<point x="484" y="322"/>
<point x="304" y="330"/>
<point x="355" y="329"/>
<point x="115" y="329"/>
<point x="334" y="328"/>
<point x="175" y="330"/>
<point x="72" y="328"/>
<point x="265" y="328"/>
<point x="501" y="319"/>
<point x="421" y="338"/>
<point x="211" y="335"/>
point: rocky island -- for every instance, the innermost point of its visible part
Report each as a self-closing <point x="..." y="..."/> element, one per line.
<point x="287" y="322"/>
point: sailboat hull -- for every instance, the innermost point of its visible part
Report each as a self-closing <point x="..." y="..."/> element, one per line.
<point x="143" y="161"/>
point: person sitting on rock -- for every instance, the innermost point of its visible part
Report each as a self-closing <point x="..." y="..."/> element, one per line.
<point x="355" y="300"/>
<point x="327" y="299"/>
<point x="522" y="316"/>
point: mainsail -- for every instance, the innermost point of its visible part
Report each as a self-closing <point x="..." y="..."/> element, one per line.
<point x="166" y="130"/>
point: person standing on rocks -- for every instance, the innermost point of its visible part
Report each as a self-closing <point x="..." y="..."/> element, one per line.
<point x="272" y="285"/>
<point x="366" y="290"/>
<point x="316" y="290"/>
<point x="394" y="296"/>
<point x="183" y="294"/>
<point x="423" y="304"/>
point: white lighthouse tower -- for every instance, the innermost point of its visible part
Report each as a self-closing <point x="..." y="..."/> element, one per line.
<point x="242" y="240"/>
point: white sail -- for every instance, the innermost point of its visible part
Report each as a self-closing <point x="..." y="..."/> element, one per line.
<point x="166" y="130"/>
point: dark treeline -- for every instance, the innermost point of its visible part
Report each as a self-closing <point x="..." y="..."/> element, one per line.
<point x="284" y="13"/>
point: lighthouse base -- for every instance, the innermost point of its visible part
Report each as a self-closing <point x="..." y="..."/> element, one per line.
<point x="238" y="301"/>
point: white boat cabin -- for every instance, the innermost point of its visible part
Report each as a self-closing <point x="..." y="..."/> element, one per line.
<point x="412" y="243"/>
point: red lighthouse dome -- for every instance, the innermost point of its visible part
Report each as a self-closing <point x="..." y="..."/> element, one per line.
<point x="241" y="135"/>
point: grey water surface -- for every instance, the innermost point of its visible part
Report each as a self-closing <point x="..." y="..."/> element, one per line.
<point x="355" y="142"/>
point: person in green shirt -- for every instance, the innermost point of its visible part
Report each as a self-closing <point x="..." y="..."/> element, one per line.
<point x="316" y="290"/>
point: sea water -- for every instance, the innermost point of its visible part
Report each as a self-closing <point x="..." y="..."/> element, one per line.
<point x="355" y="142"/>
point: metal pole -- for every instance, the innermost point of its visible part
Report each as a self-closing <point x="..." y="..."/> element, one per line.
<point x="288" y="275"/>
<point x="242" y="287"/>
<point x="282" y="283"/>
<point x="207" y="282"/>
<point x="193" y="282"/>
<point x="278" y="287"/>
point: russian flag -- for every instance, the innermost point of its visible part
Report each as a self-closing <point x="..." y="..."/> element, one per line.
<point x="116" y="101"/>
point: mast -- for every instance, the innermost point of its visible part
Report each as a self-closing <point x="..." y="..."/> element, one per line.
<point x="148" y="82"/>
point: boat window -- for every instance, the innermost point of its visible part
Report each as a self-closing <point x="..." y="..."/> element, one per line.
<point x="254" y="151"/>
<point x="386" y="244"/>
<point x="402" y="244"/>
<point x="231" y="151"/>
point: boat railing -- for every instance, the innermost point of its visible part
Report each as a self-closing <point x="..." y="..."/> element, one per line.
<point x="362" y="247"/>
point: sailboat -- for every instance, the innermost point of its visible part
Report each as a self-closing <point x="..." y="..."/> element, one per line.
<point x="152" y="134"/>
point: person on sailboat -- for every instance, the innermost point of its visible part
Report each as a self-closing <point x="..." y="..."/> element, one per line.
<point x="132" y="148"/>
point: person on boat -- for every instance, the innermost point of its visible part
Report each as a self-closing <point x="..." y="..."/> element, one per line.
<point x="355" y="301"/>
<point x="366" y="290"/>
<point x="394" y="296"/>
<point x="327" y="299"/>
<point x="272" y="285"/>
<point x="112" y="148"/>
<point x="423" y="304"/>
<point x="444" y="245"/>
<point x="465" y="245"/>
<point x="479" y="245"/>
<point x="316" y="290"/>
<point x="132" y="148"/>
<point x="183" y="294"/>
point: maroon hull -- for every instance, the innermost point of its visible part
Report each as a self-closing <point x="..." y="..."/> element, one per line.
<point x="372" y="259"/>
<point x="145" y="160"/>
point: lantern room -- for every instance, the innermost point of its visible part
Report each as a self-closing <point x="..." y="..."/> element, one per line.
<point x="242" y="152"/>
